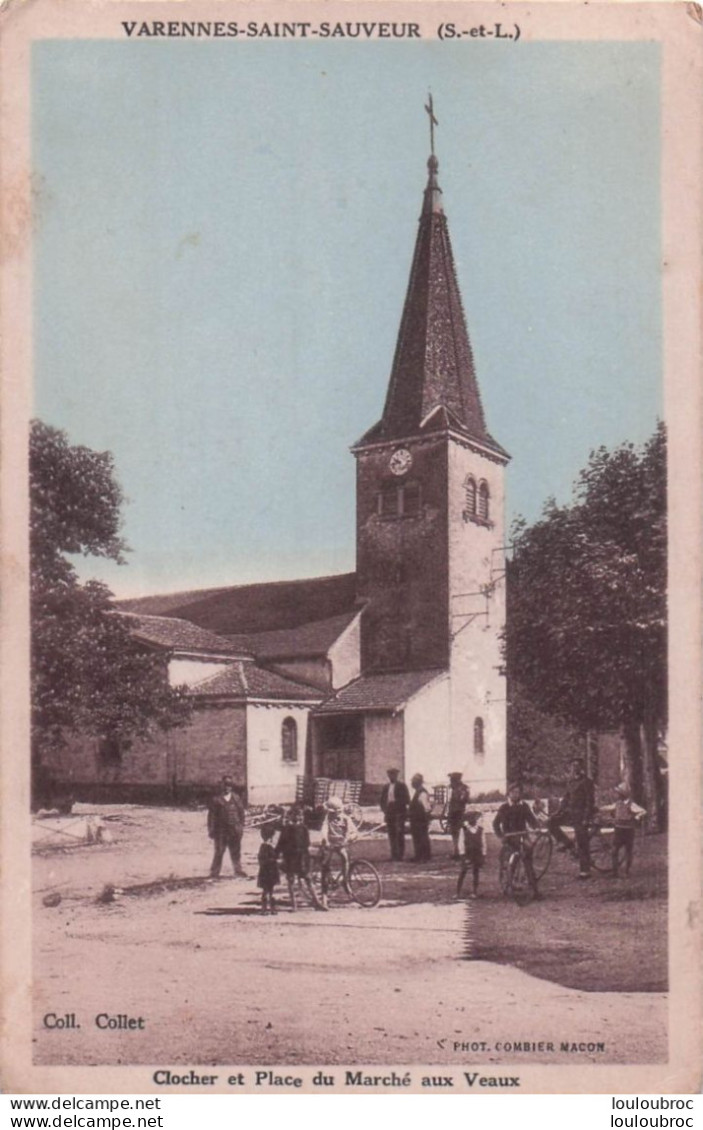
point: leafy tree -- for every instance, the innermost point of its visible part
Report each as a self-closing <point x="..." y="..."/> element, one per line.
<point x="88" y="674"/>
<point x="586" y="625"/>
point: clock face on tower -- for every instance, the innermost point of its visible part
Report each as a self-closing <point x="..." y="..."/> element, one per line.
<point x="401" y="461"/>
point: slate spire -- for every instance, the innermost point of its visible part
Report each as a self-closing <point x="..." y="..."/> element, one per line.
<point x="433" y="380"/>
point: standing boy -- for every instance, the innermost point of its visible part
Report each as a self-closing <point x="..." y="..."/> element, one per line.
<point x="293" y="847"/>
<point x="456" y="809"/>
<point x="474" y="853"/>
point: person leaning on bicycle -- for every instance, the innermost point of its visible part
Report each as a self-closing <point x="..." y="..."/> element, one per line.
<point x="512" y="822"/>
<point x="337" y="832"/>
<point x="577" y="809"/>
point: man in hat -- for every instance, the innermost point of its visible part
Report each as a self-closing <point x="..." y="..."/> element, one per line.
<point x="225" y="825"/>
<point x="420" y="813"/>
<point x="395" y="799"/>
<point x="626" y="815"/>
<point x="456" y="809"/>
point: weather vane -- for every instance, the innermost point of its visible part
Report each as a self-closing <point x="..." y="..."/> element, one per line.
<point x="433" y="121"/>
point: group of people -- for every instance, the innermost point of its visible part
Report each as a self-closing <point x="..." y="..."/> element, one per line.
<point x="292" y="849"/>
<point x="513" y="819"/>
<point x="289" y="854"/>
<point x="577" y="809"/>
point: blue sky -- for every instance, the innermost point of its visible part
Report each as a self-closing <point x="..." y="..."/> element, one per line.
<point x="222" y="244"/>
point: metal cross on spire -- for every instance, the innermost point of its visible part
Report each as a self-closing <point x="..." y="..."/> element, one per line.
<point x="433" y="121"/>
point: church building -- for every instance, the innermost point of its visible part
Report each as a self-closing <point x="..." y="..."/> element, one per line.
<point x="398" y="664"/>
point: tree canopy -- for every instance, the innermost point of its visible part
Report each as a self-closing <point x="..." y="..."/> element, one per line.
<point x="88" y="674"/>
<point x="586" y="631"/>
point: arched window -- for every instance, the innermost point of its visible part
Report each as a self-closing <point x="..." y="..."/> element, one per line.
<point x="470" y="488"/>
<point x="483" y="500"/>
<point x="289" y="739"/>
<point x="479" y="747"/>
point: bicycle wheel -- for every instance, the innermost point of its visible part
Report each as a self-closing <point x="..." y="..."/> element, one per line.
<point x="335" y="875"/>
<point x="364" y="883"/>
<point x="600" y="846"/>
<point x="520" y="886"/>
<point x="541" y="855"/>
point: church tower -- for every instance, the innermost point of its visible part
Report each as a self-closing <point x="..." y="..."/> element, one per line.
<point x="430" y="523"/>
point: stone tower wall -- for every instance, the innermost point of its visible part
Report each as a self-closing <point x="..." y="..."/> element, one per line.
<point x="402" y="562"/>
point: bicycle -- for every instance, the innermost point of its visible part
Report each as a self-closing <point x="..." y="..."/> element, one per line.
<point x="600" y="848"/>
<point x="514" y="869"/>
<point x="357" y="879"/>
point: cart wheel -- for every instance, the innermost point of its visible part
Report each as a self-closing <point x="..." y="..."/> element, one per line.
<point x="541" y="855"/>
<point x="600" y="848"/>
<point x="520" y="886"/>
<point x="364" y="883"/>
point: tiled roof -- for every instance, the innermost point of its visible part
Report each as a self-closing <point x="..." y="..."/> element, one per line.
<point x="178" y="635"/>
<point x="379" y="692"/>
<point x="433" y="364"/>
<point x="251" y="609"/>
<point x="248" y="681"/>
<point x="305" y="641"/>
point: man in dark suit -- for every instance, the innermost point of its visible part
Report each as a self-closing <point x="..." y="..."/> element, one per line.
<point x="395" y="799"/>
<point x="225" y="825"/>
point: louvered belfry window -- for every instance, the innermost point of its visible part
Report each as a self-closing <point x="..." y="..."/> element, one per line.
<point x="470" y="496"/>
<point x="410" y="501"/>
<point x="400" y="500"/>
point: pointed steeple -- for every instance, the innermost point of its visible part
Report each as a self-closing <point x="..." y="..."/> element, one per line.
<point x="433" y="380"/>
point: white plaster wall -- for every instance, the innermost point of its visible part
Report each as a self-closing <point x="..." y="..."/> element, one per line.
<point x="477" y="559"/>
<point x="192" y="671"/>
<point x="270" y="779"/>
<point x="478" y="690"/>
<point x="345" y="654"/>
<point x="427" y="734"/>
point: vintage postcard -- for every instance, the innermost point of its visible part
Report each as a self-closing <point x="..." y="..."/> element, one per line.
<point x="351" y="547"/>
